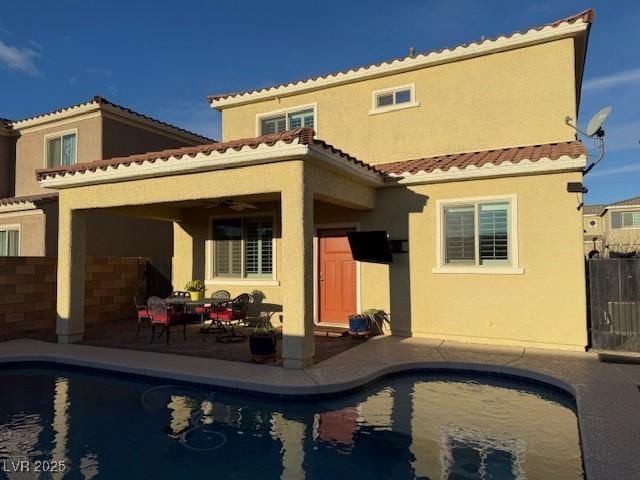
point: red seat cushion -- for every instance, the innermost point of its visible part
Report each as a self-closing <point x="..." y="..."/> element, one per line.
<point x="143" y="313"/>
<point x="170" y="317"/>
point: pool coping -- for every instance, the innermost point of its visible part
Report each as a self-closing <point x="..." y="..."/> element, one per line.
<point x="607" y="395"/>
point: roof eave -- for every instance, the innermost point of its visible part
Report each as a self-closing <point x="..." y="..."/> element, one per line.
<point x="540" y="166"/>
<point x="461" y="52"/>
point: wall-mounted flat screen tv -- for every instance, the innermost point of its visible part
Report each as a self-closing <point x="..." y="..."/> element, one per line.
<point x="370" y="247"/>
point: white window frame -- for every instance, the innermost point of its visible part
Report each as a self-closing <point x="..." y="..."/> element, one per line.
<point x="59" y="135"/>
<point x="375" y="110"/>
<point x="622" y="212"/>
<point x="513" y="268"/>
<point x="286" y="112"/>
<point x="14" y="227"/>
<point x="213" y="280"/>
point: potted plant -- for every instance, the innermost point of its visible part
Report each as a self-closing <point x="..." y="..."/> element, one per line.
<point x="196" y="289"/>
<point x="369" y="323"/>
<point x="262" y="340"/>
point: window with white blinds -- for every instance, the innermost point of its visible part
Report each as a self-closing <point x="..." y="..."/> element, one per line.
<point x="9" y="242"/>
<point x="288" y="121"/>
<point x="61" y="150"/>
<point x="243" y="248"/>
<point x="477" y="233"/>
<point x="460" y="234"/>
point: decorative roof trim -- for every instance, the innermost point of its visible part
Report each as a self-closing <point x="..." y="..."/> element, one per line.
<point x="562" y="28"/>
<point x="27" y="202"/>
<point x="101" y="103"/>
<point x="266" y="149"/>
<point x="564" y="163"/>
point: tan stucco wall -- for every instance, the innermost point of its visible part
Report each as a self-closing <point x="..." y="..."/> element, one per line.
<point x="30" y="150"/>
<point x="7" y="165"/>
<point x="121" y="139"/>
<point x="544" y="306"/>
<point x="513" y="98"/>
<point x="32" y="232"/>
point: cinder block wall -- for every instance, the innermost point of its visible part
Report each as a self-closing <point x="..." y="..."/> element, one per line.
<point x="28" y="292"/>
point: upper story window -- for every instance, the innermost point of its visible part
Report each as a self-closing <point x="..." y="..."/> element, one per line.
<point x="61" y="149"/>
<point x="282" y="120"/>
<point x="393" y="99"/>
<point x="477" y="233"/>
<point x="9" y="242"/>
<point x="625" y="219"/>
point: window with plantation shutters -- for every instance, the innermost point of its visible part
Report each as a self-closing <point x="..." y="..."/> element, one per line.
<point x="476" y="233"/>
<point x="9" y="242"/>
<point x="228" y="248"/>
<point x="243" y="248"/>
<point x="258" y="248"/>
<point x="459" y="234"/>
<point x="300" y="118"/>
<point x="493" y="231"/>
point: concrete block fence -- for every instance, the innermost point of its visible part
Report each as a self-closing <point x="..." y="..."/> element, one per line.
<point x="28" y="292"/>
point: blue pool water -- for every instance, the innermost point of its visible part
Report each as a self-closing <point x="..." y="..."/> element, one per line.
<point x="87" y="425"/>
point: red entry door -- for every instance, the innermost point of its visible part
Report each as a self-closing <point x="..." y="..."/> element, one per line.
<point x="336" y="277"/>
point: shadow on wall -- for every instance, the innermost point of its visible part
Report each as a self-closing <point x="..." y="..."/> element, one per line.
<point x="398" y="209"/>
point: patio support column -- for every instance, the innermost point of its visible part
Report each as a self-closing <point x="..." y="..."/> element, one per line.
<point x="71" y="270"/>
<point x="297" y="278"/>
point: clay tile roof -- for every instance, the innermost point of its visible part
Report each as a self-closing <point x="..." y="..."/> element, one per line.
<point x="39" y="198"/>
<point x="98" y="100"/>
<point x="533" y="153"/>
<point x="592" y="209"/>
<point x="586" y="16"/>
<point x="304" y="136"/>
<point x="627" y="202"/>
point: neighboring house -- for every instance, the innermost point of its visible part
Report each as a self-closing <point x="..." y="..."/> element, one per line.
<point x="460" y="154"/>
<point x="612" y="230"/>
<point x="72" y="135"/>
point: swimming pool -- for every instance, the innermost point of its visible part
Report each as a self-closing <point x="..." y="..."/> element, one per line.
<point x="427" y="426"/>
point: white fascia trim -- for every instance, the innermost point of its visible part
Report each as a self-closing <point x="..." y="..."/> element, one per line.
<point x="363" y="173"/>
<point x="55" y="116"/>
<point x="172" y="166"/>
<point x="621" y="207"/>
<point x="517" y="40"/>
<point x="489" y="170"/>
<point x="18" y="207"/>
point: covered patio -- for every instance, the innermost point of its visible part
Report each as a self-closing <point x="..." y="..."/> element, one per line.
<point x="286" y="184"/>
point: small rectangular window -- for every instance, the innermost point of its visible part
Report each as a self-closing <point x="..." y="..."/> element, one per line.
<point x="61" y="150"/>
<point x="631" y="220"/>
<point x="477" y="233"/>
<point x="288" y="121"/>
<point x="9" y="242"/>
<point x="393" y="98"/>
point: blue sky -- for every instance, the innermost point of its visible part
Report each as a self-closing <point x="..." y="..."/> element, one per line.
<point x="163" y="57"/>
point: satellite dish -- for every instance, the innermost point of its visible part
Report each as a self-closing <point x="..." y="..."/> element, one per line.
<point x="594" y="127"/>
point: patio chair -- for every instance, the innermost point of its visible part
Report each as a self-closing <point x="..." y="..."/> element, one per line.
<point x="143" y="313"/>
<point x="230" y="315"/>
<point x="163" y="316"/>
<point x="206" y="309"/>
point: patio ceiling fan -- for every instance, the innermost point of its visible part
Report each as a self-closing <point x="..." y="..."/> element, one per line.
<point x="233" y="205"/>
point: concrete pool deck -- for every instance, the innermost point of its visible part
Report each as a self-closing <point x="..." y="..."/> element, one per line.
<point x="607" y="395"/>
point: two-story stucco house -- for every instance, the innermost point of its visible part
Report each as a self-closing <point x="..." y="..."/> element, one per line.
<point x="459" y="153"/>
<point x="69" y="136"/>
<point x="612" y="230"/>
